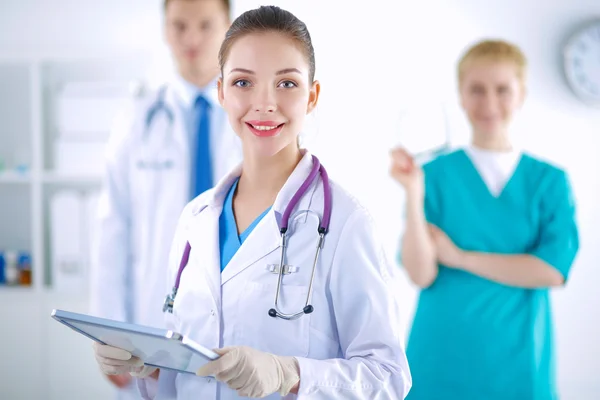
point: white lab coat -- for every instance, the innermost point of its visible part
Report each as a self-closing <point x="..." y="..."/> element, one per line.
<point x="140" y="206"/>
<point x="350" y="347"/>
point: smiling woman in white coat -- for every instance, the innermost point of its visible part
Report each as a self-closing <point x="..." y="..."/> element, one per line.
<point x="333" y="330"/>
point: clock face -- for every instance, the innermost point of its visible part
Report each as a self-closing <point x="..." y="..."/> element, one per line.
<point x="582" y="63"/>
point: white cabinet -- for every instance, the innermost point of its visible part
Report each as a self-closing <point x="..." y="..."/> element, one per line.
<point x="41" y="358"/>
<point x="22" y="373"/>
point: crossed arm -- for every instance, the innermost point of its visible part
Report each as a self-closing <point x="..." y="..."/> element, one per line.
<point x="519" y="270"/>
<point x="424" y="246"/>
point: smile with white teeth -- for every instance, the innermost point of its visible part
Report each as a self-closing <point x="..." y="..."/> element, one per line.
<point x="264" y="128"/>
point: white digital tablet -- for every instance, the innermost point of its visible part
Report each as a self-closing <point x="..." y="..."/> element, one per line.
<point x="156" y="347"/>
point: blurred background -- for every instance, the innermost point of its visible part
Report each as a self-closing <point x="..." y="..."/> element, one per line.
<point x="387" y="71"/>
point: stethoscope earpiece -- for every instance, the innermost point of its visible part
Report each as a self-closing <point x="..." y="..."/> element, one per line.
<point x="306" y="310"/>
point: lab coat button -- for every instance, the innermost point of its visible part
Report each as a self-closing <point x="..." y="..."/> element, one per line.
<point x="212" y="312"/>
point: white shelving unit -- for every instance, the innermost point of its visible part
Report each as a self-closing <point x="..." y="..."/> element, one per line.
<point x="32" y="344"/>
<point x="29" y="127"/>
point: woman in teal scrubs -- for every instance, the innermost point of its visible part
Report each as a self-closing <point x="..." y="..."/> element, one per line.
<point x="489" y="231"/>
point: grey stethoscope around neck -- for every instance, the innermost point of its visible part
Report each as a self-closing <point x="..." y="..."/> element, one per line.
<point x="275" y="312"/>
<point x="151" y="161"/>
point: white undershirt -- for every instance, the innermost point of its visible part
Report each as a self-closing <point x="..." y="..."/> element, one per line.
<point x="494" y="167"/>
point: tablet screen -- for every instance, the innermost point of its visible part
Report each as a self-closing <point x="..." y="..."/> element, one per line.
<point x="151" y="345"/>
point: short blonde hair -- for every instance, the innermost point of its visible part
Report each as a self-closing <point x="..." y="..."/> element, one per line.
<point x="497" y="51"/>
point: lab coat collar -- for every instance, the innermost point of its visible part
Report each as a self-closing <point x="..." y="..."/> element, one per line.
<point x="216" y="197"/>
<point x="293" y="183"/>
<point x="187" y="92"/>
<point x="266" y="237"/>
<point x="180" y="98"/>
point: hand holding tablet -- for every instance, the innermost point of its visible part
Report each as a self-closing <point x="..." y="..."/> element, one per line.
<point x="150" y="348"/>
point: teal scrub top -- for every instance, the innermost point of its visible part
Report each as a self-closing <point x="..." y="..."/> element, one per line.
<point x="229" y="240"/>
<point x="474" y="339"/>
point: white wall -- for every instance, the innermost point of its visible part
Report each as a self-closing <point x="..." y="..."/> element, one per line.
<point x="70" y="26"/>
<point x="372" y="62"/>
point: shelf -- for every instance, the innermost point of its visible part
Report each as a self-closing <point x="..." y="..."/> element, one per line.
<point x="76" y="295"/>
<point x="6" y="290"/>
<point x="69" y="212"/>
<point x="49" y="294"/>
<point x="67" y="179"/>
<point x="32" y="135"/>
<point x="16" y="223"/>
<point x="14" y="177"/>
<point x="80" y="101"/>
<point x="15" y="112"/>
<point x="15" y="218"/>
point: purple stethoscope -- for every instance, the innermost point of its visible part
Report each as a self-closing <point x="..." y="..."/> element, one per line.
<point x="317" y="168"/>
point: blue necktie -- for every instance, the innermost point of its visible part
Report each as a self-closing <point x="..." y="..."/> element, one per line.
<point x="203" y="162"/>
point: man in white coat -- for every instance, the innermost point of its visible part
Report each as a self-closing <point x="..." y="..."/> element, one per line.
<point x="170" y="146"/>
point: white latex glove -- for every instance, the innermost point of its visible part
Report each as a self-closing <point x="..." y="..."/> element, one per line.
<point x="115" y="361"/>
<point x="253" y="373"/>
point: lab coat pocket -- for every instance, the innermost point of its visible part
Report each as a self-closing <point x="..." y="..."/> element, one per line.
<point x="274" y="335"/>
<point x="155" y="169"/>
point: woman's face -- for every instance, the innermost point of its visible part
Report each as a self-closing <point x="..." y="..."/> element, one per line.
<point x="491" y="92"/>
<point x="266" y="92"/>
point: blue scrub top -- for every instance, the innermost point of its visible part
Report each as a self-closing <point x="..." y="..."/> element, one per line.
<point x="229" y="240"/>
<point x="474" y="339"/>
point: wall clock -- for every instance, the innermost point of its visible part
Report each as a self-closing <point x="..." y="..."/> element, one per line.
<point x="582" y="63"/>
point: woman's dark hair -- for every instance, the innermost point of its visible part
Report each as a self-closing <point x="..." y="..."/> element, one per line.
<point x="269" y="19"/>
